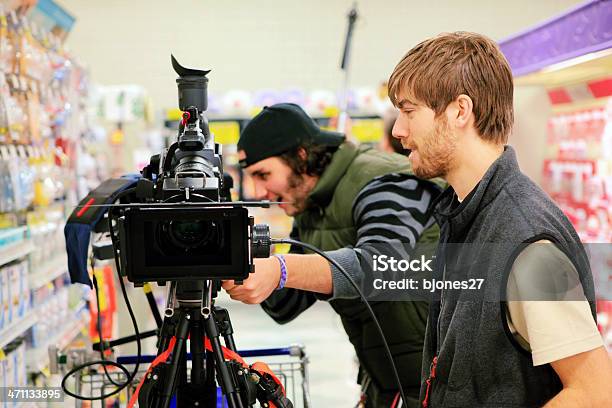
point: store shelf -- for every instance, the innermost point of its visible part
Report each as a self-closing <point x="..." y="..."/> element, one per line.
<point x="49" y="272"/>
<point x="16" y="329"/>
<point x="15" y="251"/>
<point x="38" y="358"/>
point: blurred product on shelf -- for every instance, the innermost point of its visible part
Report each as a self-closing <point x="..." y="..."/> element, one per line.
<point x="243" y="104"/>
<point x="43" y="106"/>
<point x="108" y="304"/>
<point x="578" y="171"/>
<point x="13" y="367"/>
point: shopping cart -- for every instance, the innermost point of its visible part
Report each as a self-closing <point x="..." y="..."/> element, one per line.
<point x="290" y="364"/>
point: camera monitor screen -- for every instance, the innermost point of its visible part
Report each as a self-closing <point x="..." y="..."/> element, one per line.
<point x="186" y="243"/>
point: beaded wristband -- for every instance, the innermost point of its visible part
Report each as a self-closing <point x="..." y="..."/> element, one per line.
<point x="283" y="266"/>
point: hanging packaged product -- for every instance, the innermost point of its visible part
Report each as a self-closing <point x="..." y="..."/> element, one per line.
<point x="18" y="181"/>
<point x="33" y="113"/>
<point x="3" y="304"/>
<point x="4" y="96"/>
<point x="14" y="108"/>
<point x="45" y="185"/>
<point x="7" y="46"/>
<point x="7" y="198"/>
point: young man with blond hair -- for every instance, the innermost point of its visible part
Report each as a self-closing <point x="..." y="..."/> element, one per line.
<point x="501" y="345"/>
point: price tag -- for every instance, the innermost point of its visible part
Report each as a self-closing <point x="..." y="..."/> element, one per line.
<point x="13" y="81"/>
<point x="12" y="151"/>
<point x="30" y="151"/>
<point x="9" y="80"/>
<point x="4" y="152"/>
<point x="45" y="40"/>
<point x="26" y="24"/>
<point x="21" y="151"/>
<point x="2" y="355"/>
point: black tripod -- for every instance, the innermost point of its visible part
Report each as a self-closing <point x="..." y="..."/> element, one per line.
<point x="191" y="314"/>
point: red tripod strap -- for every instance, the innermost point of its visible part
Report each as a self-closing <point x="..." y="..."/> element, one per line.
<point x="159" y="359"/>
<point x="260" y="367"/>
<point x="396" y="401"/>
<point x="227" y="353"/>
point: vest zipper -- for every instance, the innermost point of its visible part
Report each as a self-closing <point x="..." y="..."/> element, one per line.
<point x="432" y="375"/>
<point x="438" y="330"/>
<point x="434" y="362"/>
<point x="444" y="249"/>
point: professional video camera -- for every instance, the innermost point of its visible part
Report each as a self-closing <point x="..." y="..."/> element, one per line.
<point x="193" y="232"/>
<point x="176" y="225"/>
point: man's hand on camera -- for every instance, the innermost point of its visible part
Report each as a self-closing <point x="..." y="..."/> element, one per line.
<point x="259" y="285"/>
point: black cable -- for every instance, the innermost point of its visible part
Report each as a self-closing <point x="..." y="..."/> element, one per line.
<point x="127" y="300"/>
<point x="103" y="362"/>
<point x="365" y="301"/>
<point x="89" y="364"/>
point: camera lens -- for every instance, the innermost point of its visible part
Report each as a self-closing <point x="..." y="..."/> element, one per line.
<point x="191" y="234"/>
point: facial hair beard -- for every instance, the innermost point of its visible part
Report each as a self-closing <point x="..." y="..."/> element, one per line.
<point x="298" y="192"/>
<point x="436" y="151"/>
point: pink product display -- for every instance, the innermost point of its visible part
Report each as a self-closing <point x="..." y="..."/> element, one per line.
<point x="583" y="189"/>
<point x="581" y="126"/>
<point x="579" y="175"/>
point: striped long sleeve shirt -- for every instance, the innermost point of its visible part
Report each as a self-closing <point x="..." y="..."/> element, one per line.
<point x="390" y="209"/>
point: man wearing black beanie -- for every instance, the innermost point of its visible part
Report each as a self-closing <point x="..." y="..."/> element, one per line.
<point x="343" y="198"/>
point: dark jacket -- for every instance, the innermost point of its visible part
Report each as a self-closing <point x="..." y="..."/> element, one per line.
<point x="478" y="364"/>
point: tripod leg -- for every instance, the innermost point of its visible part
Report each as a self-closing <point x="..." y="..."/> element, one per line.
<point x="159" y="385"/>
<point x="197" y="353"/>
<point x="152" y="304"/>
<point x="222" y="318"/>
<point x="199" y="392"/>
<point x="181" y="338"/>
<point x="181" y="387"/>
<point x="225" y="379"/>
<point x="209" y="376"/>
<point x="166" y="332"/>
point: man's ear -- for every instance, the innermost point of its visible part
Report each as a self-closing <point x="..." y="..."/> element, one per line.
<point x="302" y="154"/>
<point x="463" y="113"/>
<point x="241" y="155"/>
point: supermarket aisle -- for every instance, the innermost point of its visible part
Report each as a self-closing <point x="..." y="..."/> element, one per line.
<point x="332" y="363"/>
